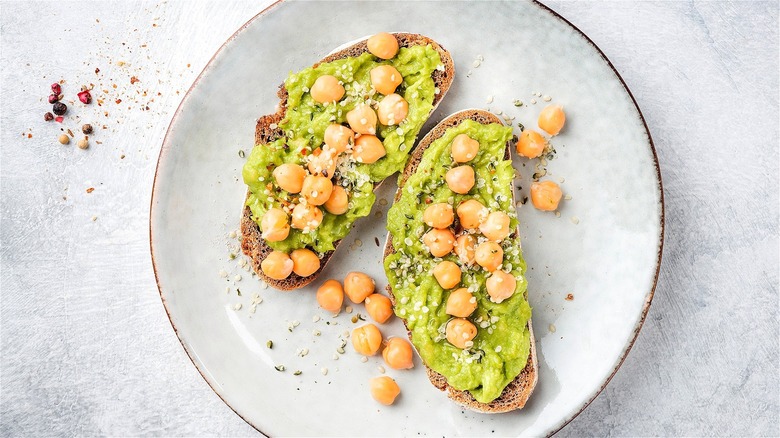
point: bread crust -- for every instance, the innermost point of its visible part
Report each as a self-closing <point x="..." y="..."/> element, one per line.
<point x="267" y="130"/>
<point x="519" y="390"/>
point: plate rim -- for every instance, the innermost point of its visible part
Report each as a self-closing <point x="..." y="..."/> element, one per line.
<point x="648" y="298"/>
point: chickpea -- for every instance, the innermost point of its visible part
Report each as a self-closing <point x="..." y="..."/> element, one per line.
<point x="398" y="354"/>
<point x="447" y="274"/>
<point x="384" y="389"/>
<point x="379" y="308"/>
<point x="392" y="110"/>
<point x="289" y="177"/>
<point x="305" y="262"/>
<point x="338" y="203"/>
<point x="330" y="296"/>
<point x="551" y="119"/>
<point x="323" y="163"/>
<point x="439" y="242"/>
<point x="471" y="214"/>
<point x="500" y="286"/>
<point x="368" y="149"/>
<point x="460" y="332"/>
<point x="465" y="246"/>
<point x="306" y="217"/>
<point x="338" y="137"/>
<point x="489" y="255"/>
<point x="362" y="119"/>
<point x="327" y="89"/>
<point x="438" y="215"/>
<point x="385" y="79"/>
<point x="316" y="189"/>
<point x="383" y="45"/>
<point x="461" y="303"/>
<point x="496" y="226"/>
<point x="460" y="179"/>
<point x="358" y="286"/>
<point x="530" y="144"/>
<point x="275" y="225"/>
<point x="464" y="148"/>
<point x="546" y="195"/>
<point x="366" y="339"/>
<point x="277" y="265"/>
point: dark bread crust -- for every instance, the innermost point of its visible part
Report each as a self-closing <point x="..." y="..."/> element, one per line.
<point x="252" y="243"/>
<point x="519" y="390"/>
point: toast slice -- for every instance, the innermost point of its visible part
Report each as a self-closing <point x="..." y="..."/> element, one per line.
<point x="267" y="130"/>
<point x="518" y="391"/>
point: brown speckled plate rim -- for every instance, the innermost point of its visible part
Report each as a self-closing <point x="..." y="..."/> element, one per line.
<point x="648" y="299"/>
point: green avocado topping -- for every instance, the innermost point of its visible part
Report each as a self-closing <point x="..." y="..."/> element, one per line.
<point x="502" y="345"/>
<point x="304" y="126"/>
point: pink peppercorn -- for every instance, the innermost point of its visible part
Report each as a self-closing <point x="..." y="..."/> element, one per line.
<point x="85" y="97"/>
<point x="56" y="89"/>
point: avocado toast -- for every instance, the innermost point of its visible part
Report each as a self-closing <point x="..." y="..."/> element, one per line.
<point x="485" y="356"/>
<point x="422" y="72"/>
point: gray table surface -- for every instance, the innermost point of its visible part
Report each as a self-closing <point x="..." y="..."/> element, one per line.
<point x="86" y="347"/>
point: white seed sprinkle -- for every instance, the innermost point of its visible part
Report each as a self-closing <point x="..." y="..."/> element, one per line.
<point x="547" y="98"/>
<point x="223" y="273"/>
<point x="498" y="349"/>
<point x="348" y="309"/>
<point x="315" y="318"/>
<point x="296" y="323"/>
<point x="567" y="197"/>
<point x="316" y="332"/>
<point x="364" y="359"/>
<point x="533" y="101"/>
<point x="575" y="220"/>
<point x="381" y="369"/>
<point x="489" y="99"/>
<point x="551" y="327"/>
<point x="238" y="306"/>
<point x="335" y="357"/>
<point x="237" y="277"/>
<point x="232" y="235"/>
<point x="324" y="371"/>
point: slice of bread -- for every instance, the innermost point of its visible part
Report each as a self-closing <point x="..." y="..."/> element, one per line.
<point x="516" y="394"/>
<point x="267" y="130"/>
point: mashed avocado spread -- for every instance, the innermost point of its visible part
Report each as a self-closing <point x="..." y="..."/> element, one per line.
<point x="304" y="125"/>
<point x="501" y="348"/>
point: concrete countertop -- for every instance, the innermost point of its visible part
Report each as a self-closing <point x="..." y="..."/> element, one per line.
<point x="86" y="347"/>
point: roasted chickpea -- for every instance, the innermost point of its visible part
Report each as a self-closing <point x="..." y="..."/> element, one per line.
<point x="460" y="332"/>
<point x="383" y="45"/>
<point x="384" y="389"/>
<point x="362" y="119"/>
<point x="500" y="286"/>
<point x="330" y="296"/>
<point x="530" y="144"/>
<point x="460" y="179"/>
<point x="545" y="195"/>
<point x="439" y="242"/>
<point x="464" y="148"/>
<point x="316" y="189"/>
<point x="358" y="286"/>
<point x="551" y="119"/>
<point x="323" y="163"/>
<point x="489" y="255"/>
<point x="338" y="203"/>
<point x="338" y="137"/>
<point x="392" y="110"/>
<point x="398" y="354"/>
<point x="447" y="274"/>
<point x="471" y="213"/>
<point x="385" y="79"/>
<point x="465" y="247"/>
<point x="379" y="308"/>
<point x="368" y="149"/>
<point x="496" y="226"/>
<point x="306" y="217"/>
<point x="327" y="89"/>
<point x="461" y="303"/>
<point x="366" y="339"/>
<point x="305" y="262"/>
<point x="289" y="177"/>
<point x="275" y="225"/>
<point x="277" y="265"/>
<point x="438" y="215"/>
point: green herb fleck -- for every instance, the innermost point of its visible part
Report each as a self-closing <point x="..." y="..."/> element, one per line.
<point x="518" y="102"/>
<point x="241" y="153"/>
<point x="232" y="256"/>
<point x="269" y="344"/>
<point x="279" y="368"/>
<point x="522" y="128"/>
<point x="238" y="291"/>
<point x="298" y="373"/>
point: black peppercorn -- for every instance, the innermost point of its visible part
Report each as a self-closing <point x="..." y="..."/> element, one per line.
<point x="86" y="129"/>
<point x="59" y="108"/>
<point x="48" y="117"/>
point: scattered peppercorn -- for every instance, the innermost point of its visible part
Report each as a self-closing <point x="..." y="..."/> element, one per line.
<point x="53" y="98"/>
<point x="59" y="108"/>
<point x="64" y="139"/>
<point x="86" y="129"/>
<point x="85" y="97"/>
<point x="56" y="89"/>
<point x="83" y="143"/>
<point x="48" y="117"/>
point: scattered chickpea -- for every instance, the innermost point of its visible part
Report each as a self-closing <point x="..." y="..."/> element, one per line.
<point x="385" y="79"/>
<point x="438" y="215"/>
<point x="500" y="286"/>
<point x="362" y="119"/>
<point x="366" y="339"/>
<point x="398" y="354"/>
<point x="323" y="163"/>
<point x="552" y="119"/>
<point x="447" y="274"/>
<point x="489" y="255"/>
<point x="464" y="148"/>
<point x="289" y="177"/>
<point x="461" y="303"/>
<point x="384" y="390"/>
<point x="379" y="308"/>
<point x="83" y="143"/>
<point x="546" y="195"/>
<point x="64" y="139"/>
<point x="383" y="45"/>
<point x="471" y="213"/>
<point x="392" y="110"/>
<point x="338" y="203"/>
<point x="277" y="265"/>
<point x="439" y="242"/>
<point x="368" y="149"/>
<point x="327" y="89"/>
<point x="338" y="137"/>
<point x="358" y="286"/>
<point x="465" y="247"/>
<point x="306" y="216"/>
<point x="275" y="225"/>
<point x="316" y="189"/>
<point x="460" y="179"/>
<point x="459" y="331"/>
<point x="330" y="296"/>
<point x="496" y="226"/>
<point x="530" y="144"/>
<point x="305" y="262"/>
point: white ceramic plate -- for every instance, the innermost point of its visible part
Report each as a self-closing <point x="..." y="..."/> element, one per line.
<point x="609" y="260"/>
